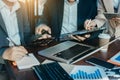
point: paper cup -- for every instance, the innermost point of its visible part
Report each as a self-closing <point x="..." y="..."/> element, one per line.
<point x="103" y="40"/>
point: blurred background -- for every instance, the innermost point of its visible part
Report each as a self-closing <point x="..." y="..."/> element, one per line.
<point x="35" y="9"/>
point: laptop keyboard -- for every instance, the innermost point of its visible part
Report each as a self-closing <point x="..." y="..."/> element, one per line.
<point x="72" y="51"/>
<point x="51" y="71"/>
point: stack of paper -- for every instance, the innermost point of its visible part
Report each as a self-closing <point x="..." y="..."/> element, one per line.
<point x="27" y="62"/>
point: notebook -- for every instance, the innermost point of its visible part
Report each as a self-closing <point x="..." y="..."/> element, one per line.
<point x="66" y="52"/>
<point x="27" y="62"/>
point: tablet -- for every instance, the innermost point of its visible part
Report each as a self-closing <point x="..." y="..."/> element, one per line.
<point x="111" y="15"/>
<point x="80" y="33"/>
<point x="116" y="58"/>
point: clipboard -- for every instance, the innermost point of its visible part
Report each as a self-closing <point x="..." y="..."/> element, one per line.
<point x="111" y="15"/>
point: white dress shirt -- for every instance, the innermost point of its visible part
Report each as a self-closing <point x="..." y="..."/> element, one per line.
<point x="116" y="3"/>
<point x="69" y="17"/>
<point x="10" y="20"/>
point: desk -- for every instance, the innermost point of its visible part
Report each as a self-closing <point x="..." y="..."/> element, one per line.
<point x="15" y="74"/>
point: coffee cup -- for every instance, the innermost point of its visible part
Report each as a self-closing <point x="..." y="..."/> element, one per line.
<point x="103" y="40"/>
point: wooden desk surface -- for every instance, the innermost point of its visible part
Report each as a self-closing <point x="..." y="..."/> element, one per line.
<point x="15" y="74"/>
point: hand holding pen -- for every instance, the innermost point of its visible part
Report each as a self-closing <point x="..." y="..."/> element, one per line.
<point x="15" y="52"/>
<point x="89" y="24"/>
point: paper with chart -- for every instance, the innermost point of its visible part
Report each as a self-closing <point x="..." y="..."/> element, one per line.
<point x="88" y="73"/>
<point x="27" y="62"/>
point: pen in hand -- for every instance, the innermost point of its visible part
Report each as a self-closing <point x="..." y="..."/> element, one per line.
<point x="14" y="44"/>
<point x="10" y="40"/>
<point x="88" y="23"/>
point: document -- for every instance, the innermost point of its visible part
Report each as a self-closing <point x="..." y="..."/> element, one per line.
<point x="88" y="73"/>
<point x="27" y="62"/>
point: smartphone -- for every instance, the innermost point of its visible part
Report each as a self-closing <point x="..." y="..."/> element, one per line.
<point x="99" y="62"/>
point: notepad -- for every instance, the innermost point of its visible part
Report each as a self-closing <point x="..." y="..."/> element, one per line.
<point x="27" y="62"/>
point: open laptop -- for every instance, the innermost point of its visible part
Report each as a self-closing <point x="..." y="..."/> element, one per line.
<point x="66" y="52"/>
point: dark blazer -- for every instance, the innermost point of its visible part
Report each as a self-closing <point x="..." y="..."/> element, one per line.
<point x="24" y="29"/>
<point x="53" y="14"/>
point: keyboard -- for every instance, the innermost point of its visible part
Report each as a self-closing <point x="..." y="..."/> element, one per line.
<point x="51" y="71"/>
<point x="73" y="51"/>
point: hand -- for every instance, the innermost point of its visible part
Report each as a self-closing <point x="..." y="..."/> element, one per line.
<point x="14" y="53"/>
<point x="89" y="25"/>
<point x="39" y="30"/>
<point x="112" y="23"/>
<point x="116" y="20"/>
<point x="80" y="38"/>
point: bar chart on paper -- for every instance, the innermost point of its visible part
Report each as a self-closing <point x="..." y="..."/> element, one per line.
<point x="88" y="73"/>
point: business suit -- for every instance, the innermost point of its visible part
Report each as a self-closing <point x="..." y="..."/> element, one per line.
<point x="107" y="6"/>
<point x="23" y="26"/>
<point x="53" y="14"/>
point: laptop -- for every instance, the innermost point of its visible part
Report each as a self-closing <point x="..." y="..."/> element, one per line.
<point x="67" y="51"/>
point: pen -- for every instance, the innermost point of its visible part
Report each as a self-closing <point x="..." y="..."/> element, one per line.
<point x="10" y="40"/>
<point x="88" y="23"/>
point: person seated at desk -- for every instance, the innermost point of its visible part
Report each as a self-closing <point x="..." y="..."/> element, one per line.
<point x="111" y="6"/>
<point x="66" y="16"/>
<point x="14" y="29"/>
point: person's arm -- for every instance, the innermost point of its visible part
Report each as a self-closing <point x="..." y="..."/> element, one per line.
<point x="99" y="19"/>
<point x="43" y="22"/>
<point x="14" y="53"/>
